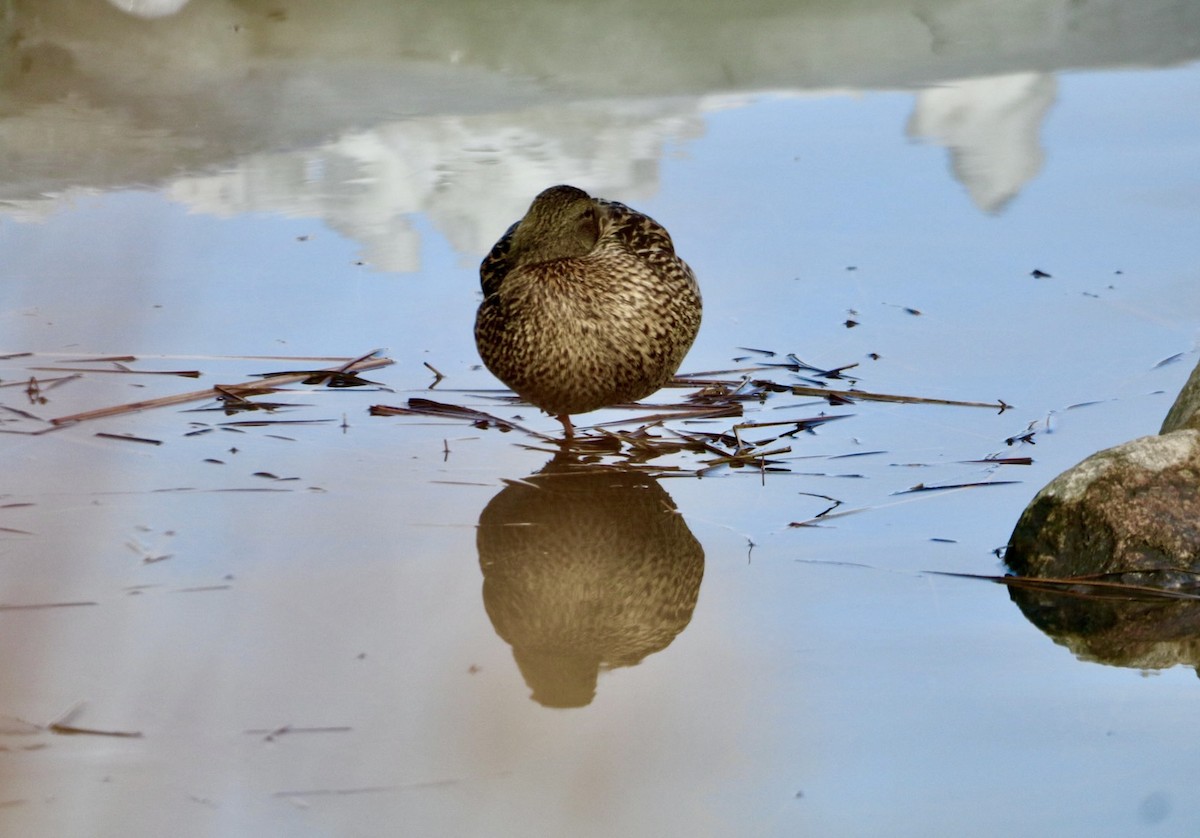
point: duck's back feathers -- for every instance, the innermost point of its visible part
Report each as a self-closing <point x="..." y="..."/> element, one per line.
<point x="575" y="334"/>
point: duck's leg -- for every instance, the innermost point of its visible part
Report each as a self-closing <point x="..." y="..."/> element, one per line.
<point x="568" y="428"/>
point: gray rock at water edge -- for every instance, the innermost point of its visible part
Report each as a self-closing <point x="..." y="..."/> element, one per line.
<point x="1132" y="510"/>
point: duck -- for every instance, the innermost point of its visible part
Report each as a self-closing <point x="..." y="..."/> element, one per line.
<point x="585" y="305"/>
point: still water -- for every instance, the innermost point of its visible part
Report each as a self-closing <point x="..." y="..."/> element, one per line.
<point x="316" y="621"/>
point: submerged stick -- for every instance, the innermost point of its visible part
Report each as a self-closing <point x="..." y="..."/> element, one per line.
<point x="215" y="392"/>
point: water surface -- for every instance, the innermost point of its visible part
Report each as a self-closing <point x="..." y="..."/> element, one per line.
<point x="330" y="624"/>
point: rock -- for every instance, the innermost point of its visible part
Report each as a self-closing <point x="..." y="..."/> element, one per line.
<point x="1185" y="413"/>
<point x="1133" y="509"/>
<point x="1128" y="515"/>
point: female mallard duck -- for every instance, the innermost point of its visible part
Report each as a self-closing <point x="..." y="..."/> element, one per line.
<point x="585" y="305"/>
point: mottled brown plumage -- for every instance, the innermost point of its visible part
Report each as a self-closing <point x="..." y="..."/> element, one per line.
<point x="585" y="569"/>
<point x="585" y="305"/>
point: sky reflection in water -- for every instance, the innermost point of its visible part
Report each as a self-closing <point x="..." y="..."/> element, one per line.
<point x="814" y="167"/>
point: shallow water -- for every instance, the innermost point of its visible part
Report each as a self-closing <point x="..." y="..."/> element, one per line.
<point x="331" y="623"/>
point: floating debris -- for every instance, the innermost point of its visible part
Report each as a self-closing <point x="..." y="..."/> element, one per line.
<point x="44" y="605"/>
<point x="428" y="407"/>
<point x="63" y="726"/>
<point x="271" y="734"/>
<point x="120" y="369"/>
<point x="850" y="396"/>
<point x="343" y="376"/>
<point x="437" y="373"/>
<point x="24" y="414"/>
<point x="269" y="476"/>
<point x="361" y="790"/>
<point x="921" y="487"/>
<point x="130" y="438"/>
<point x="365" y="362"/>
<point x="713" y="398"/>
<point x="72" y="730"/>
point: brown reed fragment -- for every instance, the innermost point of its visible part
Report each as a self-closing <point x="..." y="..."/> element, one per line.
<point x="72" y="730"/>
<point x="794" y="364"/>
<point x="24" y="414"/>
<point x="1004" y="461"/>
<point x="853" y="395"/>
<point x="51" y="383"/>
<point x="239" y="402"/>
<point x="437" y="373"/>
<point x="28" y="383"/>
<point x="275" y="380"/>
<point x="429" y="407"/>
<point x="337" y="378"/>
<point x="822" y="518"/>
<point x="121" y="369"/>
<point x="128" y="438"/>
<point x="100" y="359"/>
<point x="638" y="439"/>
<point x="706" y="440"/>
<point x="44" y="605"/>
<point x="834" y="504"/>
<point x="262" y="423"/>
<point x="39" y="432"/>
<point x="802" y="424"/>
<point x="271" y="734"/>
<point x="750" y="457"/>
<point x="921" y="487"/>
<point x="690" y="379"/>
<point x="251" y="489"/>
<point x="363" y="790"/>
<point x="234" y="401"/>
<point x="685" y="412"/>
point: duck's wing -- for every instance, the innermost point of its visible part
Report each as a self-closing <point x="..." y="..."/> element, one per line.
<point x="495" y="266"/>
<point x="645" y="238"/>
<point x="640" y="233"/>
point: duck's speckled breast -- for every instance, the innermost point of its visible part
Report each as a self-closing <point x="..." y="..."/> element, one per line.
<point x="573" y="335"/>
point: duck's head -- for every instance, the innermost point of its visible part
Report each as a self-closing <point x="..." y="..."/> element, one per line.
<point x="562" y="222"/>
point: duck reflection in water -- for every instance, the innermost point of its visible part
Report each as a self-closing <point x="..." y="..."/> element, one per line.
<point x="585" y="568"/>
